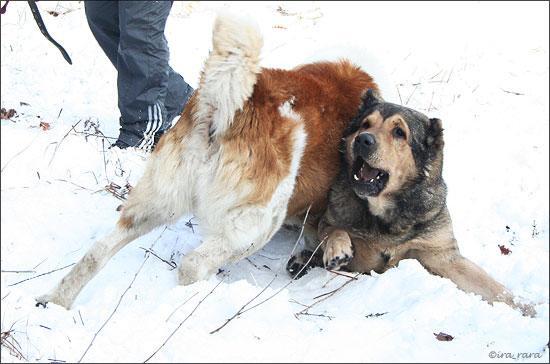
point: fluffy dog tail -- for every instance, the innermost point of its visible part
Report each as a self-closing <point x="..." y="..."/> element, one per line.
<point x="229" y="73"/>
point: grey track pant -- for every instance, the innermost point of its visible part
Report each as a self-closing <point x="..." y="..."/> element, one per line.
<point x="150" y="92"/>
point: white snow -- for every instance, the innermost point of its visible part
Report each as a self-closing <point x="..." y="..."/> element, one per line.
<point x="481" y="67"/>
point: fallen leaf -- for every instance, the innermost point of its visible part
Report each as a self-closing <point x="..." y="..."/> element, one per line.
<point x="282" y="11"/>
<point x="53" y="12"/>
<point x="7" y="114"/>
<point x="504" y="250"/>
<point x="44" y="125"/>
<point x="376" y="314"/>
<point x="443" y="336"/>
<point x="119" y="192"/>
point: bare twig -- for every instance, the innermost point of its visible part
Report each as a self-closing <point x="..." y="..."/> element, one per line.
<point x="314" y="314"/>
<point x="337" y="289"/>
<point x="289" y="282"/>
<point x="40" y="275"/>
<point x="87" y="134"/>
<point x="104" y="136"/>
<point x="254" y="264"/>
<point x="296" y="302"/>
<point x="114" y="311"/>
<point x="75" y="184"/>
<point x="177" y="308"/>
<point x="81" y="320"/>
<point x="450" y="74"/>
<point x="266" y="257"/>
<point x="437" y="74"/>
<point x="104" y="160"/>
<point x="412" y="93"/>
<point x="161" y="234"/>
<point x="299" y="235"/>
<point x="171" y="264"/>
<point x="18" y="153"/>
<point x="36" y="266"/>
<point x="378" y="314"/>
<point x="181" y="323"/>
<point x="61" y="141"/>
<point x="399" y="94"/>
<point x="326" y="296"/>
<point x="338" y="273"/>
<point x="329" y="280"/>
<point x="18" y="271"/>
<point x="95" y="177"/>
<point x="243" y="307"/>
<point x="513" y="92"/>
<point x="431" y="101"/>
<point x="9" y="342"/>
<point x="190" y="225"/>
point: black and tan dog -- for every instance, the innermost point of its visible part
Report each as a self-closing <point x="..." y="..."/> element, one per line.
<point x="389" y="202"/>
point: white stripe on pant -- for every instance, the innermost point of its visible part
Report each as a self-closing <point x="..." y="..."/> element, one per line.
<point x="153" y="126"/>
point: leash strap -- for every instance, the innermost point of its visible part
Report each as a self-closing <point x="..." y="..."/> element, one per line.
<point x="42" y="27"/>
<point x="3" y="8"/>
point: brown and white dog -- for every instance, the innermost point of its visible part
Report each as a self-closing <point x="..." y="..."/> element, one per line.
<point x="252" y="147"/>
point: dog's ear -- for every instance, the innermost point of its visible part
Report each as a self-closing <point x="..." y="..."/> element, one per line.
<point x="434" y="134"/>
<point x="370" y="98"/>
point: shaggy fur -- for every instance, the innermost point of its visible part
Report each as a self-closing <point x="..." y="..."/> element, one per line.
<point x="389" y="203"/>
<point x="252" y="147"/>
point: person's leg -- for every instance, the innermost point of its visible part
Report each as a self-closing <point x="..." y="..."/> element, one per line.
<point x="102" y="18"/>
<point x="144" y="75"/>
<point x="177" y="96"/>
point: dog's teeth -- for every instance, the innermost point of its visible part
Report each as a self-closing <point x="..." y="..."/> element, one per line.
<point x="378" y="177"/>
<point x="371" y="180"/>
<point x="355" y="177"/>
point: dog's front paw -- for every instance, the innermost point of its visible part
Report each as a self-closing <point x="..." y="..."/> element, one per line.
<point x="296" y="265"/>
<point x="338" y="251"/>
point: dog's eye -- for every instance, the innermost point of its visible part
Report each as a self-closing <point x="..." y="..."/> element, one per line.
<point x="398" y="133"/>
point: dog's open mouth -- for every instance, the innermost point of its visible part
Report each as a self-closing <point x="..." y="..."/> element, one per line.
<point x="371" y="180"/>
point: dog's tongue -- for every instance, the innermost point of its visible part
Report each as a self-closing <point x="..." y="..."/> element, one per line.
<point x="368" y="173"/>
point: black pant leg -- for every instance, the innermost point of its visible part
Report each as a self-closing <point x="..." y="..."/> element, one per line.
<point x="102" y="17"/>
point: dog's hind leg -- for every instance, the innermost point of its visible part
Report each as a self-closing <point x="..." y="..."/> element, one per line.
<point x="239" y="235"/>
<point x="89" y="265"/>
<point x="157" y="199"/>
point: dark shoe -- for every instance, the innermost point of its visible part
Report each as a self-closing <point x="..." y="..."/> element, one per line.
<point x="120" y="144"/>
<point x="127" y="139"/>
<point x="133" y="139"/>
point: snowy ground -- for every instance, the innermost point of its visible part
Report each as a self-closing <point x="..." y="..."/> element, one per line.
<point x="482" y="68"/>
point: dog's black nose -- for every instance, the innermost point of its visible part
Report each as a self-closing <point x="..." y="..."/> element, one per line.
<point x="366" y="139"/>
